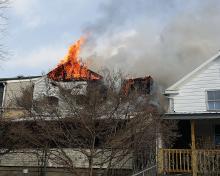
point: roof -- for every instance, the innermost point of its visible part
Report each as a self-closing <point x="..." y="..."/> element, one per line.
<point x="192" y="115"/>
<point x="69" y="72"/>
<point x="174" y="87"/>
<point x="142" y="85"/>
<point x="18" y="78"/>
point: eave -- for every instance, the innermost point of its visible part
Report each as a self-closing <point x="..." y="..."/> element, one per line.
<point x="169" y="92"/>
<point x="191" y="116"/>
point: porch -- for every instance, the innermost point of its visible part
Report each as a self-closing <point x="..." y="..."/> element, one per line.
<point x="201" y="155"/>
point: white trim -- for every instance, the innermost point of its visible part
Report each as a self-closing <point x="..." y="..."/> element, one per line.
<point x="21" y="80"/>
<point x="171" y="92"/>
<point x="188" y="76"/>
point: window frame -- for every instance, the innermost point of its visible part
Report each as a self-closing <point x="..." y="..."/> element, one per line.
<point x="207" y="101"/>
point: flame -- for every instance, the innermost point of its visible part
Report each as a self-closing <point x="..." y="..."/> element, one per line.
<point x="71" y="67"/>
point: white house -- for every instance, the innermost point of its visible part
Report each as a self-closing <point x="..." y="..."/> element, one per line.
<point x="195" y="102"/>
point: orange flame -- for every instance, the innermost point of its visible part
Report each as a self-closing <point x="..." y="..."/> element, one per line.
<point x="71" y="67"/>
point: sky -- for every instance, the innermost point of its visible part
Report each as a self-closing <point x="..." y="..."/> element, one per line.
<point x="165" y="39"/>
<point x="39" y="32"/>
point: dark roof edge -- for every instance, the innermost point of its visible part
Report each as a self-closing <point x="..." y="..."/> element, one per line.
<point x="19" y="78"/>
<point x="191" y="116"/>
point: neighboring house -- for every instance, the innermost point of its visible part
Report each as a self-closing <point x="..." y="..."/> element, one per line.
<point x="195" y="102"/>
<point x="11" y="88"/>
<point x="44" y="87"/>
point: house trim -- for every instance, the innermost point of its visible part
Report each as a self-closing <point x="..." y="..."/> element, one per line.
<point x="22" y="80"/>
<point x="192" y="116"/>
<point x="176" y="86"/>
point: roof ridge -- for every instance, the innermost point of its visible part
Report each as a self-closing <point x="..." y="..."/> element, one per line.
<point x="187" y="76"/>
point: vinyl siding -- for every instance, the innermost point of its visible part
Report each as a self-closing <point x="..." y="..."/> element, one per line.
<point x="30" y="157"/>
<point x="43" y="87"/>
<point x="14" y="89"/>
<point x="192" y="95"/>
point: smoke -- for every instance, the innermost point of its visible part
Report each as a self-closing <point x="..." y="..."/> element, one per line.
<point x="164" y="39"/>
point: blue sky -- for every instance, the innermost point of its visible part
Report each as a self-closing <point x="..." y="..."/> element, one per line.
<point x="39" y="33"/>
<point x="138" y="36"/>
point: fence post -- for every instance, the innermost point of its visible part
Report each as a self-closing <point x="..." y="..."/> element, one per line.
<point x="160" y="161"/>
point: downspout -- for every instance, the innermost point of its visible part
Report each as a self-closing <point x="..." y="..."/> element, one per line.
<point x="3" y="100"/>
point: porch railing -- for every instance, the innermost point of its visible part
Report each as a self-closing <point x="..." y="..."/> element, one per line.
<point x="175" y="160"/>
<point x="180" y="161"/>
<point x="208" y="161"/>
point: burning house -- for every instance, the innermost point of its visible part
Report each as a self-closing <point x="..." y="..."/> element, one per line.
<point x="70" y="74"/>
<point x="71" y="68"/>
<point x="75" y="77"/>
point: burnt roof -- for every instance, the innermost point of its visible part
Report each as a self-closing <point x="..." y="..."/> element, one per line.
<point x="141" y="84"/>
<point x="59" y="74"/>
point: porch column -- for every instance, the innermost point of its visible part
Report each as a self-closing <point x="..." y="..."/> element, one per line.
<point x="193" y="138"/>
<point x="193" y="148"/>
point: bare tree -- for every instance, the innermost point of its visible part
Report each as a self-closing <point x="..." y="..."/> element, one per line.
<point x="11" y="137"/>
<point x="101" y="129"/>
<point x="24" y="99"/>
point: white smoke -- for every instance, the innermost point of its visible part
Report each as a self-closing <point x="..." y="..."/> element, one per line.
<point x="164" y="39"/>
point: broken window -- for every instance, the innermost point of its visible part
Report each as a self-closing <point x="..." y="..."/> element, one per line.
<point x="52" y="101"/>
<point x="1" y="93"/>
<point x="213" y="100"/>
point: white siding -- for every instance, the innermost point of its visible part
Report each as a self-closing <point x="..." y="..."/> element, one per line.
<point x="192" y="95"/>
<point x="44" y="87"/>
<point x="30" y="157"/>
<point x="14" y="89"/>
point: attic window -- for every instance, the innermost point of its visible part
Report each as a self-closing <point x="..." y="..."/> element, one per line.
<point x="52" y="101"/>
<point x="213" y="100"/>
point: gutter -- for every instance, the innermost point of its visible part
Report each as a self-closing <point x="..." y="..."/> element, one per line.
<point x="191" y="116"/>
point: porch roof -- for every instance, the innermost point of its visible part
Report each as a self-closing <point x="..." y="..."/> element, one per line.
<point x="193" y="115"/>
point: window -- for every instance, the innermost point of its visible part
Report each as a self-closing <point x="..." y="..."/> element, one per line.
<point x="213" y="99"/>
<point x="217" y="135"/>
<point x="1" y="93"/>
<point x="53" y="101"/>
